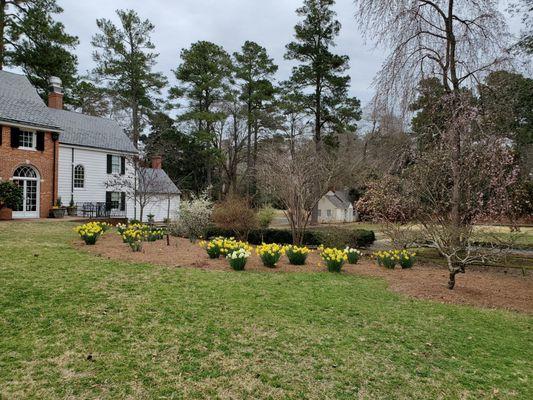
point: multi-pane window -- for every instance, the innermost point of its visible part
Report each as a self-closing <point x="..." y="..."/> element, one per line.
<point x="115" y="200"/>
<point x="27" y="140"/>
<point x="79" y="177"/>
<point x="328" y="213"/>
<point x="115" y="164"/>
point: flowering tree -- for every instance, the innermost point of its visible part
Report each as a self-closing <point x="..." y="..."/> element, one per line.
<point x="195" y="216"/>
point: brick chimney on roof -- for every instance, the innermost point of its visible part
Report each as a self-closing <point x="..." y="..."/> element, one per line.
<point x="55" y="93"/>
<point x="156" y="162"/>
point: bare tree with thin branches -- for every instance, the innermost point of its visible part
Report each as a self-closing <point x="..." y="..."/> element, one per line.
<point x="298" y="179"/>
<point x="143" y="186"/>
<point x="458" y="41"/>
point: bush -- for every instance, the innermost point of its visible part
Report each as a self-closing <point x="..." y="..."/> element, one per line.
<point x="195" y="216"/>
<point x="265" y="216"/>
<point x="90" y="232"/>
<point x="235" y="215"/>
<point x="270" y="254"/>
<point x="297" y="255"/>
<point x="10" y="195"/>
<point x="238" y="258"/>
<point x="333" y="258"/>
<point x="329" y="237"/>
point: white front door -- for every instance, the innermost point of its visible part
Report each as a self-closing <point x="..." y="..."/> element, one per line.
<point x="28" y="180"/>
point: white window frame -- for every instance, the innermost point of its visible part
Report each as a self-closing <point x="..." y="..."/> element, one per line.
<point x="116" y="162"/>
<point x="75" y="179"/>
<point x="328" y="213"/>
<point x="33" y="134"/>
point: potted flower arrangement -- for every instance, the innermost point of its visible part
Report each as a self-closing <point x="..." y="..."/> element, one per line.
<point x="151" y="219"/>
<point x="297" y="255"/>
<point x="353" y="255"/>
<point x="58" y="211"/>
<point x="333" y="258"/>
<point x="89" y="232"/>
<point x="238" y="258"/>
<point x="72" y="210"/>
<point x="270" y="254"/>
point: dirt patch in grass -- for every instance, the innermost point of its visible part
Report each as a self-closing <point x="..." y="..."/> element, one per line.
<point x="483" y="287"/>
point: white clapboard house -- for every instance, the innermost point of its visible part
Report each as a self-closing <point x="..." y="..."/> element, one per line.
<point x="335" y="207"/>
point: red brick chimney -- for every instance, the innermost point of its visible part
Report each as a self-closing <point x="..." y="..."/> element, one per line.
<point x="55" y="95"/>
<point x="156" y="162"/>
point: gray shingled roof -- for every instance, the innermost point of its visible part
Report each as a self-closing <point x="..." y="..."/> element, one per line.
<point x="20" y="103"/>
<point x="85" y="130"/>
<point x="338" y="201"/>
<point x="159" y="182"/>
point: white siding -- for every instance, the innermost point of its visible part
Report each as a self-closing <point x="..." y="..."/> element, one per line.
<point x="161" y="207"/>
<point x="337" y="214"/>
<point x="96" y="176"/>
<point x="95" y="163"/>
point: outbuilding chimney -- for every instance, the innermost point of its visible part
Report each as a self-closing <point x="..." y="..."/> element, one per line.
<point x="156" y="162"/>
<point x="55" y="94"/>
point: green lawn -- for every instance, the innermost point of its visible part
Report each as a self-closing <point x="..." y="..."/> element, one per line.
<point x="164" y="333"/>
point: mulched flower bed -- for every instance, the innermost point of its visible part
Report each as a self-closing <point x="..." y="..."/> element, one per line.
<point x="483" y="287"/>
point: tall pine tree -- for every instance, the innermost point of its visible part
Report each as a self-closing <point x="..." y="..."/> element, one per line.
<point x="204" y="76"/>
<point x="31" y="39"/>
<point x="125" y="60"/>
<point x="319" y="75"/>
<point x="254" y="69"/>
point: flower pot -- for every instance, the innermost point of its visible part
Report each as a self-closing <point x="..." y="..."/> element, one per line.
<point x="72" y="211"/>
<point x="58" y="212"/>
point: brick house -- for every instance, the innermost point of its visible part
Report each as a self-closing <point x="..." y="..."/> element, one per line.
<point x="55" y="153"/>
<point x="29" y="146"/>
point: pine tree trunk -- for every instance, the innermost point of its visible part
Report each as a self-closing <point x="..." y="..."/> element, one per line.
<point x="2" y="32"/>
<point x="136" y="126"/>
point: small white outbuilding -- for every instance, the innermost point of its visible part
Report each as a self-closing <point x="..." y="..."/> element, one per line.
<point x="335" y="207"/>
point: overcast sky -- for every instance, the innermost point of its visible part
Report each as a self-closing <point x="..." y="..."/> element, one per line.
<point x="178" y="23"/>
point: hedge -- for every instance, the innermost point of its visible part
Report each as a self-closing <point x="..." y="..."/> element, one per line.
<point x="329" y="237"/>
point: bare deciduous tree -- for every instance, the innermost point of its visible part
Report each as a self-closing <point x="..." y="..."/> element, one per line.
<point x="143" y="186"/>
<point x="457" y="41"/>
<point x="298" y="181"/>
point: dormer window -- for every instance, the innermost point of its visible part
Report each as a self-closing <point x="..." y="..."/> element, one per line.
<point x="27" y="140"/>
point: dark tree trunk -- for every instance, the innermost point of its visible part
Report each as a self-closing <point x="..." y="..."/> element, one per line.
<point x="2" y="32"/>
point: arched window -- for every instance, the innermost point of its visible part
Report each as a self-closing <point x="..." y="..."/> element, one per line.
<point x="79" y="177"/>
<point x="25" y="171"/>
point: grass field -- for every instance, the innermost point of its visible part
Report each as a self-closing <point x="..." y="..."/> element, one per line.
<point x="80" y="327"/>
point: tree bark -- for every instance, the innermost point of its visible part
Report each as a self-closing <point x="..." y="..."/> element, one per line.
<point x="2" y="32"/>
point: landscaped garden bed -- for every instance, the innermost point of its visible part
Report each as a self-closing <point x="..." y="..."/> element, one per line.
<point x="75" y="325"/>
<point x="486" y="287"/>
